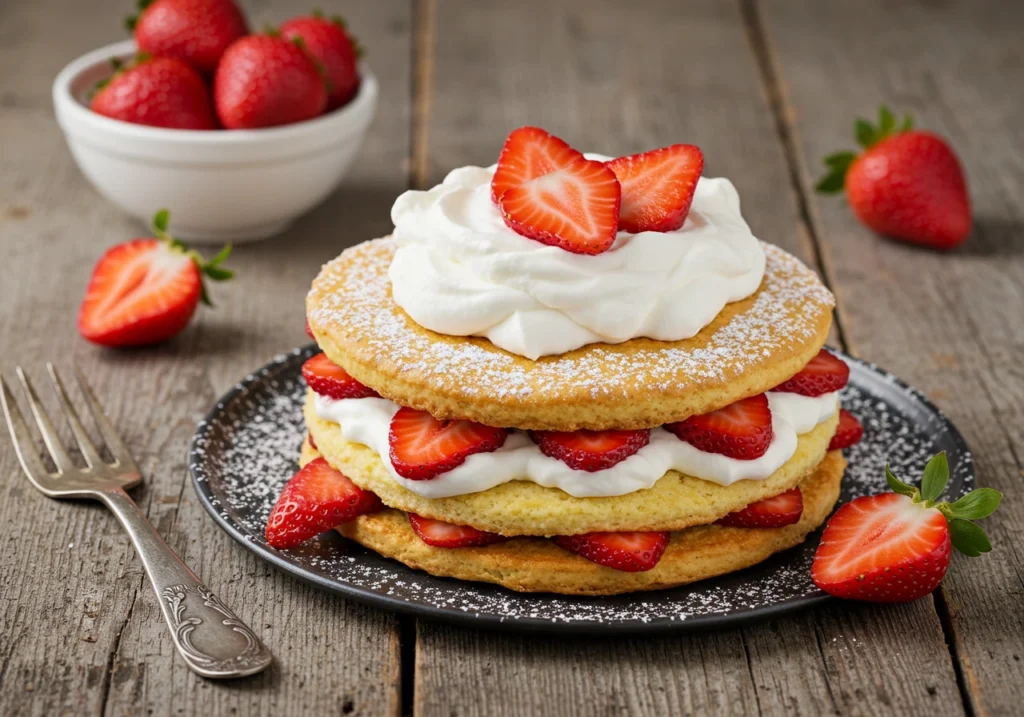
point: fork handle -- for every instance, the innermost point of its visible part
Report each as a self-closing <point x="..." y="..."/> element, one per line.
<point x="212" y="640"/>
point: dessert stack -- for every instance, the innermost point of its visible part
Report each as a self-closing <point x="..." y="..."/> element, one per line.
<point x="569" y="373"/>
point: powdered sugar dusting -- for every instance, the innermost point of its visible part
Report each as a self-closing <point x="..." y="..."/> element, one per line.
<point x="246" y="450"/>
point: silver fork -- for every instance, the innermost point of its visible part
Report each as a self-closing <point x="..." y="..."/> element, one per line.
<point x="209" y="636"/>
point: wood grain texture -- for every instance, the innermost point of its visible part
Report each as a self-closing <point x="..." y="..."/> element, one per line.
<point x="948" y="323"/>
<point x="80" y="628"/>
<point x="618" y="78"/>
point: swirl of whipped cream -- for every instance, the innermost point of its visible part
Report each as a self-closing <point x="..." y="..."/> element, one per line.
<point x="459" y="270"/>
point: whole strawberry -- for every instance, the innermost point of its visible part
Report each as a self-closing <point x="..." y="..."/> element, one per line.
<point x="145" y="291"/>
<point x="329" y="44"/>
<point x="907" y="184"/>
<point x="266" y="80"/>
<point x="196" y="31"/>
<point x="156" y="91"/>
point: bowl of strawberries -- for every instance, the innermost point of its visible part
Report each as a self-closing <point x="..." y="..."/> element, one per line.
<point x="237" y="133"/>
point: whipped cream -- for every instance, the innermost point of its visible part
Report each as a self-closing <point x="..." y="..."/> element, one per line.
<point x="459" y="270"/>
<point x="367" y="421"/>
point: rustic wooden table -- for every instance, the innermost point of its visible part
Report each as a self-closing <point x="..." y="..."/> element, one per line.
<point x="766" y="88"/>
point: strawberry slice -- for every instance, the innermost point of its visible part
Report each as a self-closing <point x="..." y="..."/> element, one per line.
<point x="312" y="443"/>
<point x="316" y="499"/>
<point x="309" y="331"/>
<point x="629" y="552"/>
<point x="895" y="547"/>
<point x="575" y="207"/>
<point x="657" y="187"/>
<point x="145" y="291"/>
<point x="849" y="431"/>
<point x="824" y="373"/>
<point x="329" y="379"/>
<point x="529" y="152"/>
<point x="591" y="450"/>
<point x="423" y="447"/>
<point x="775" y="512"/>
<point x="447" y="535"/>
<point x="741" y="430"/>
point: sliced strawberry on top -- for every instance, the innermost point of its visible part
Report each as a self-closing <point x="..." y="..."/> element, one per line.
<point x="575" y="207"/>
<point x="423" y="447"/>
<point x="630" y="552"/>
<point x="850" y="431"/>
<point x="823" y="374"/>
<point x="329" y="379"/>
<point x="591" y="450"/>
<point x="775" y="512"/>
<point x="529" y="152"/>
<point x="657" y="187"/>
<point x="741" y="430"/>
<point x="447" y="535"/>
<point x="316" y="499"/>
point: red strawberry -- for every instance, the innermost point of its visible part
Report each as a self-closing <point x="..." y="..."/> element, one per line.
<point x="775" y="512"/>
<point x="849" y="431"/>
<point x="328" y="42"/>
<point x="657" y="187"/>
<point x="895" y="547"/>
<point x="741" y="430"/>
<point x="575" y="207"/>
<point x="591" y="450"/>
<point x="316" y="499"/>
<point x="264" y="81"/>
<point x="629" y="552"/>
<point x="157" y="91"/>
<point x="146" y="290"/>
<point x="327" y="378"/>
<point x="907" y="184"/>
<point x="446" y="535"/>
<point x="423" y="447"/>
<point x="823" y="374"/>
<point x="312" y="443"/>
<point x="529" y="152"/>
<point x="196" y="31"/>
<point x="309" y="331"/>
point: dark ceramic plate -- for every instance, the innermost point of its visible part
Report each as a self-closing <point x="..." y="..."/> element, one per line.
<point x="246" y="449"/>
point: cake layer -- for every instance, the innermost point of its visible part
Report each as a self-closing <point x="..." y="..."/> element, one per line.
<point x="538" y="565"/>
<point x="519" y="507"/>
<point x="751" y="346"/>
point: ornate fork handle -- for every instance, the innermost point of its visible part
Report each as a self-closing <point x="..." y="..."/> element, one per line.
<point x="209" y="636"/>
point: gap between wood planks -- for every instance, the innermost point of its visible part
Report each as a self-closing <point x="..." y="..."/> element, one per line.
<point x="768" y="68"/>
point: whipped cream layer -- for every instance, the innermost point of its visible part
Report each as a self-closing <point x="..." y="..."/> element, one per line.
<point x="459" y="270"/>
<point x="367" y="421"/>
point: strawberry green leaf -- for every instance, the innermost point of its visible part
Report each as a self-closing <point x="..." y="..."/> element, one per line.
<point x="864" y="133"/>
<point x="840" y="160"/>
<point x="220" y="256"/>
<point x="160" y="220"/>
<point x="886" y="122"/>
<point x="977" y="504"/>
<point x="898" y="486"/>
<point x="831" y="183"/>
<point x="130" y="22"/>
<point x="936" y="475"/>
<point x="968" y="538"/>
<point x="908" y="123"/>
<point x="218" y="273"/>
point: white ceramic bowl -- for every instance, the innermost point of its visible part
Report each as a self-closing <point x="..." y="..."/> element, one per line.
<point x="224" y="185"/>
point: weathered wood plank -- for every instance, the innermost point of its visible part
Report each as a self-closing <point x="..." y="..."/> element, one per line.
<point x="80" y="629"/>
<point x="619" y="78"/>
<point x="949" y="323"/>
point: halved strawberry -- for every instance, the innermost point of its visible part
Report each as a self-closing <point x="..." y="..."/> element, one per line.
<point x="447" y="535"/>
<point x="145" y="291"/>
<point x="312" y="443"/>
<point x="423" y="447"/>
<point x="591" y="450"/>
<point x="895" y="547"/>
<point x="316" y="499"/>
<point x="529" y="152"/>
<point x="849" y="431"/>
<point x="629" y="552"/>
<point x="329" y="379"/>
<point x="775" y="512"/>
<point x="824" y="373"/>
<point x="575" y="207"/>
<point x="657" y="187"/>
<point x="741" y="430"/>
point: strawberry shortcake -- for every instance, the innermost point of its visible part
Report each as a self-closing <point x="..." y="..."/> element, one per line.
<point x="569" y="373"/>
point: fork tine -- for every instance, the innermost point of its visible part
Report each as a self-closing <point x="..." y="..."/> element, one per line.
<point x="50" y="436"/>
<point x="110" y="436"/>
<point x="89" y="452"/>
<point x="24" y="445"/>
